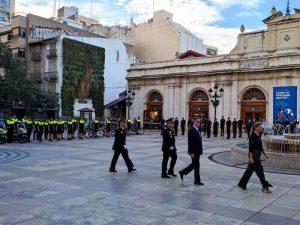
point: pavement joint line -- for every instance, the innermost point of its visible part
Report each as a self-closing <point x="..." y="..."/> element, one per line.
<point x="278" y="197"/>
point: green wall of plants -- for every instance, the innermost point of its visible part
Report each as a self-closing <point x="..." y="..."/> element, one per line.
<point x="83" y="67"/>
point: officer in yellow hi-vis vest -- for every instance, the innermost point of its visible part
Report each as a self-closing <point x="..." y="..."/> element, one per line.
<point x="29" y="127"/>
<point x="108" y="127"/>
<point x="96" y="127"/>
<point x="70" y="129"/>
<point x="81" y="128"/>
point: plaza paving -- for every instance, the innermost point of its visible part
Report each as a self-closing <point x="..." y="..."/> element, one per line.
<point x="68" y="182"/>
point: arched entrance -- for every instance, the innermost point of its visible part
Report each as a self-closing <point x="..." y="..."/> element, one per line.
<point x="253" y="105"/>
<point x="199" y="104"/>
<point x="154" y="107"/>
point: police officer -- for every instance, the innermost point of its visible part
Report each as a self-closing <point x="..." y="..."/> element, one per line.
<point x="138" y="123"/>
<point x="169" y="149"/>
<point x="81" y="128"/>
<point x="208" y="127"/>
<point x="96" y="128"/>
<point x="120" y="147"/>
<point x="234" y="127"/>
<point x="248" y="127"/>
<point x="60" y="129"/>
<point x="40" y="130"/>
<point x="108" y="127"/>
<point x="228" y="125"/>
<point x="240" y="127"/>
<point x="128" y="124"/>
<point x="46" y="129"/>
<point x="70" y="129"/>
<point x="51" y="129"/>
<point x="222" y="125"/>
<point x="29" y="127"/>
<point x="176" y="123"/>
<point x="10" y="128"/>
<point x="182" y="125"/>
<point x="215" y="128"/>
<point x="74" y="121"/>
<point x="204" y="126"/>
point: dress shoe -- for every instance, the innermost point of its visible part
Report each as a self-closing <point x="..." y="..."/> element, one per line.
<point x="266" y="190"/>
<point x="112" y="171"/>
<point x="131" y="170"/>
<point x="165" y="176"/>
<point x="181" y="175"/>
<point x="198" y="183"/>
<point x="244" y="188"/>
<point x="172" y="174"/>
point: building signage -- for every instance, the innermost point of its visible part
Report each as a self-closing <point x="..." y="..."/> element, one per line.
<point x="285" y="103"/>
<point x="46" y="32"/>
<point x="254" y="64"/>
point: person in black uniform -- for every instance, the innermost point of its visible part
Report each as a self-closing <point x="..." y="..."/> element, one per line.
<point x="176" y="123"/>
<point x="29" y="126"/>
<point x="222" y="125"/>
<point x="228" y="125"/>
<point x="215" y="128"/>
<point x="51" y="129"/>
<point x="194" y="150"/>
<point x="255" y="150"/>
<point x="240" y="127"/>
<point x="120" y="147"/>
<point x="46" y="129"/>
<point x="168" y="149"/>
<point x="182" y="125"/>
<point x="248" y="127"/>
<point x="234" y="127"/>
<point x="208" y="127"/>
<point x="204" y="126"/>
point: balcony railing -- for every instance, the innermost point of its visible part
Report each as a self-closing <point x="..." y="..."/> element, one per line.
<point x="36" y="56"/>
<point x="51" y="53"/>
<point x="51" y="76"/>
<point x="36" y="76"/>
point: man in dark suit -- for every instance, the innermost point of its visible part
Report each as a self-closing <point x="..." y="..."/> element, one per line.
<point x="228" y="125"/>
<point x="176" y="123"/>
<point x="240" y="127"/>
<point x="182" y="125"/>
<point x="169" y="150"/>
<point x="234" y="127"/>
<point x="208" y="127"/>
<point x="120" y="147"/>
<point x="194" y="150"/>
<point x="222" y="125"/>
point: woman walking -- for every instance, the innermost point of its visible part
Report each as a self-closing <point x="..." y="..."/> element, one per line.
<point x="255" y="150"/>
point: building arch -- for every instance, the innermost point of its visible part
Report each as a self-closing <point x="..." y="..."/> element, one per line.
<point x="198" y="101"/>
<point x="154" y="106"/>
<point x="253" y="104"/>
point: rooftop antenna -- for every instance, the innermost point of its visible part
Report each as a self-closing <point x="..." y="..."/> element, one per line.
<point x="288" y="8"/>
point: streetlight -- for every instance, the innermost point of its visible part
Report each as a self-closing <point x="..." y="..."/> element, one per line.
<point x="214" y="97"/>
<point x="129" y="97"/>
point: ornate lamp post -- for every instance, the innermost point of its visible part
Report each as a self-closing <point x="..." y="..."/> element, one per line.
<point x="129" y="97"/>
<point x="214" y="97"/>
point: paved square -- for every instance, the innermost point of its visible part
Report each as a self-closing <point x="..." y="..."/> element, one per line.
<point x="68" y="182"/>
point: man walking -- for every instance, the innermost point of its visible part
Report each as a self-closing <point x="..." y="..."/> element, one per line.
<point x="169" y="150"/>
<point x="194" y="150"/>
<point x="120" y="147"/>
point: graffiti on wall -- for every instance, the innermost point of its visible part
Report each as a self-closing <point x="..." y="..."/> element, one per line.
<point x="46" y="32"/>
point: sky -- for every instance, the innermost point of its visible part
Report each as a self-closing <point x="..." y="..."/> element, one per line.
<point x="217" y="22"/>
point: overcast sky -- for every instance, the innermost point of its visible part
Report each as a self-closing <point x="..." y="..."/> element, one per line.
<point x="217" y="22"/>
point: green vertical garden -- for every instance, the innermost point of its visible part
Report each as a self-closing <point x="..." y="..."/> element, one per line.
<point x="82" y="75"/>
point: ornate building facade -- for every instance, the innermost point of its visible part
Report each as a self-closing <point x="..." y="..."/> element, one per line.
<point x="260" y="73"/>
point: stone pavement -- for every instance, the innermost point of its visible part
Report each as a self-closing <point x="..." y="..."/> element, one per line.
<point x="68" y="183"/>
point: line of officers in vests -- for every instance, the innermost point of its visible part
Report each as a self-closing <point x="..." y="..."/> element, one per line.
<point x="51" y="129"/>
<point x="208" y="127"/>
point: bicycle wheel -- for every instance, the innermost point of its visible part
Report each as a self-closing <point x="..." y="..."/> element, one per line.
<point x="100" y="133"/>
<point x="112" y="133"/>
<point x="132" y="131"/>
<point x="141" y="131"/>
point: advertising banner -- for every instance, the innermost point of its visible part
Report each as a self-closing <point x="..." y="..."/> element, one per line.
<point x="285" y="103"/>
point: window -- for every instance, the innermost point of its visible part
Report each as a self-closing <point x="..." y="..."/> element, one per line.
<point x="155" y="97"/>
<point x="19" y="31"/>
<point x="52" y="65"/>
<point x="52" y="46"/>
<point x="37" y="67"/>
<point x="254" y="94"/>
<point x="199" y="96"/>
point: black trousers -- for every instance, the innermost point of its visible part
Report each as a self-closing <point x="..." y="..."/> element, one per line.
<point x="240" y="132"/>
<point x="176" y="130"/>
<point x="195" y="165"/>
<point x="259" y="170"/>
<point x="29" y="131"/>
<point x="222" y="131"/>
<point x="164" y="164"/>
<point x="126" y="158"/>
<point x="183" y="130"/>
<point x="208" y="132"/>
<point x="228" y="133"/>
<point x="234" y="132"/>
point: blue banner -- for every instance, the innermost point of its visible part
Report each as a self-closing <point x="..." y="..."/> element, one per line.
<point x="285" y="103"/>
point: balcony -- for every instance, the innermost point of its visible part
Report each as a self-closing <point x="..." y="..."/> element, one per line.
<point x="51" y="76"/>
<point x="36" y="56"/>
<point x="36" y="76"/>
<point x="51" y="53"/>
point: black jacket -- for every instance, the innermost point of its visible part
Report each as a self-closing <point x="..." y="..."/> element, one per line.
<point x="120" y="139"/>
<point x="168" y="140"/>
<point x="194" y="142"/>
<point x="255" y="146"/>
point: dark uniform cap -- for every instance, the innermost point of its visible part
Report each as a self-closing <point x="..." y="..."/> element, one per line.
<point x="170" y="120"/>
